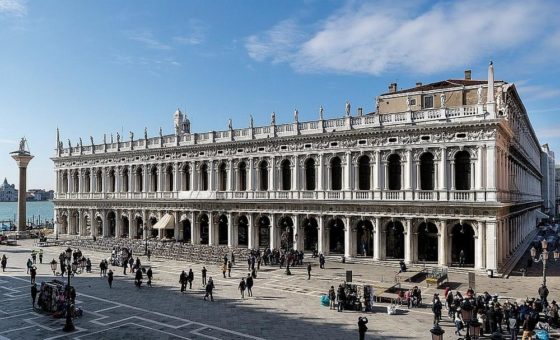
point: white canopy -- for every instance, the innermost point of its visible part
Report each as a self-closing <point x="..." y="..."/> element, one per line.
<point x="166" y="222"/>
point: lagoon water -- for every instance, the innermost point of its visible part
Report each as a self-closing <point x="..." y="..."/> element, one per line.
<point x="44" y="209"/>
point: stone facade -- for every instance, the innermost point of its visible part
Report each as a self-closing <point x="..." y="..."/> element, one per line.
<point x="414" y="183"/>
<point x="8" y="192"/>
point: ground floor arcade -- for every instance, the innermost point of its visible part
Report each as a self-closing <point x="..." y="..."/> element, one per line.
<point x="484" y="241"/>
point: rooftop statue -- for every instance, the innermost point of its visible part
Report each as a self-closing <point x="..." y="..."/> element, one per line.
<point x="347" y="108"/>
<point x="321" y="112"/>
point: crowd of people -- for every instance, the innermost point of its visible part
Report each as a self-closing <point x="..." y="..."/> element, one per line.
<point x="496" y="316"/>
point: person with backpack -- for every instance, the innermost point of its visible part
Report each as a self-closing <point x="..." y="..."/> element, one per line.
<point x="332" y="297"/>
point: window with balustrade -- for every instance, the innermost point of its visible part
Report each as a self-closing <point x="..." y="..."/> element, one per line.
<point x="336" y="174"/>
<point x="222" y="177"/>
<point x="242" y="173"/>
<point x="76" y="181"/>
<point x="462" y="170"/>
<point x="364" y="173"/>
<point x="169" y="178"/>
<point x="99" y="181"/>
<point x="427" y="170"/>
<point x="286" y="175"/>
<point x="112" y="180"/>
<point x="263" y="176"/>
<point x="124" y="186"/>
<point x="310" y="174"/>
<point x="154" y="178"/>
<point x="394" y="172"/>
<point x="139" y="177"/>
<point x="87" y="181"/>
<point x="204" y="177"/>
<point x="65" y="181"/>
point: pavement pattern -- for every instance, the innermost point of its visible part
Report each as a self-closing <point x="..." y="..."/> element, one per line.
<point x="283" y="307"/>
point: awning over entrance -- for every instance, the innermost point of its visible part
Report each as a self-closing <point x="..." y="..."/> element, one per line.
<point x="542" y="215"/>
<point x="166" y="222"/>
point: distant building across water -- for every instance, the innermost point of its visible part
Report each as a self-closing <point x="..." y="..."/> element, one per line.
<point x="9" y="193"/>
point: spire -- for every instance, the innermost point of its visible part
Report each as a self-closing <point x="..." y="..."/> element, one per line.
<point x="57" y="138"/>
<point x="490" y="102"/>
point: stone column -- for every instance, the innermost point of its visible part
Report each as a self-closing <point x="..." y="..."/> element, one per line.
<point x="385" y="175"/>
<point x="408" y="241"/>
<point x="295" y="174"/>
<point x="442" y="244"/>
<point x="491" y="245"/>
<point x="377" y="239"/>
<point x="320" y="180"/>
<point x="321" y="235"/>
<point x="212" y="235"/>
<point x="442" y="181"/>
<point x="274" y="237"/>
<point x="231" y="229"/>
<point x="348" y="171"/>
<point x="250" y="175"/>
<point x="251" y="232"/>
<point x="490" y="177"/>
<point x="347" y="237"/>
<point x="22" y="159"/>
<point x="229" y="183"/>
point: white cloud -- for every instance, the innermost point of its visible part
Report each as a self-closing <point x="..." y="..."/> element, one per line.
<point x="533" y="92"/>
<point x="195" y="35"/>
<point x="279" y="44"/>
<point x="377" y="37"/>
<point x="8" y="141"/>
<point x="148" y="39"/>
<point x="13" y="7"/>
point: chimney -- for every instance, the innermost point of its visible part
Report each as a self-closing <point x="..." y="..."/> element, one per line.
<point x="392" y="87"/>
<point x="418" y="84"/>
<point x="467" y="74"/>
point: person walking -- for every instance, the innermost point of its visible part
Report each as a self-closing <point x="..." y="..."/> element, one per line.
<point x="203" y="276"/>
<point x="33" y="272"/>
<point x="209" y="289"/>
<point x="101" y="268"/>
<point x="110" y="278"/>
<point x="362" y="328"/>
<point x="138" y="278"/>
<point x="149" y="254"/>
<point x="124" y="265"/>
<point x="4" y="262"/>
<point x="224" y="269"/>
<point x="33" y="293"/>
<point x="436" y="308"/>
<point x="249" y="283"/>
<point x="183" y="281"/>
<point x="321" y="261"/>
<point x="41" y="256"/>
<point x="543" y="294"/>
<point x="242" y="287"/>
<point x="229" y="265"/>
<point x="190" y="278"/>
<point x="149" y="274"/>
<point x="309" y="271"/>
<point x="34" y="256"/>
<point x="341" y="298"/>
<point x="462" y="258"/>
<point x="332" y="297"/>
<point x="29" y="265"/>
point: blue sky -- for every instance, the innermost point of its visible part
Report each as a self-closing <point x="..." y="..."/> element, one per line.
<point x="95" y="67"/>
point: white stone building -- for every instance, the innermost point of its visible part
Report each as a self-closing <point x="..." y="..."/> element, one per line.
<point x="438" y="168"/>
<point x="8" y="192"/>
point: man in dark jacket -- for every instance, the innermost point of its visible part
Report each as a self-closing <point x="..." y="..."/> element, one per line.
<point x="34" y="293"/>
<point x="110" y="278"/>
<point x="249" y="283"/>
<point x="138" y="278"/>
<point x="309" y="271"/>
<point x="362" y="328"/>
<point x="190" y="278"/>
<point x="209" y="289"/>
<point x="183" y="281"/>
<point x="543" y="293"/>
<point x="204" y="276"/>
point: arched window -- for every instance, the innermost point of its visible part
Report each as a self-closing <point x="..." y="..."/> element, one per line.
<point x="462" y="171"/>
<point x="124" y="186"/>
<point x="394" y="172"/>
<point x="427" y="171"/>
<point x="204" y="177"/>
<point x="310" y="174"/>
<point x="65" y="181"/>
<point x="364" y="173"/>
<point x="222" y="177"/>
<point x="263" y="176"/>
<point x="169" y="178"/>
<point x="242" y="171"/>
<point x="154" y="178"/>
<point x="336" y="174"/>
<point x="76" y="181"/>
<point x="87" y="181"/>
<point x="112" y="180"/>
<point x="139" y="180"/>
<point x="286" y="175"/>
<point x="186" y="178"/>
<point x="99" y="180"/>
